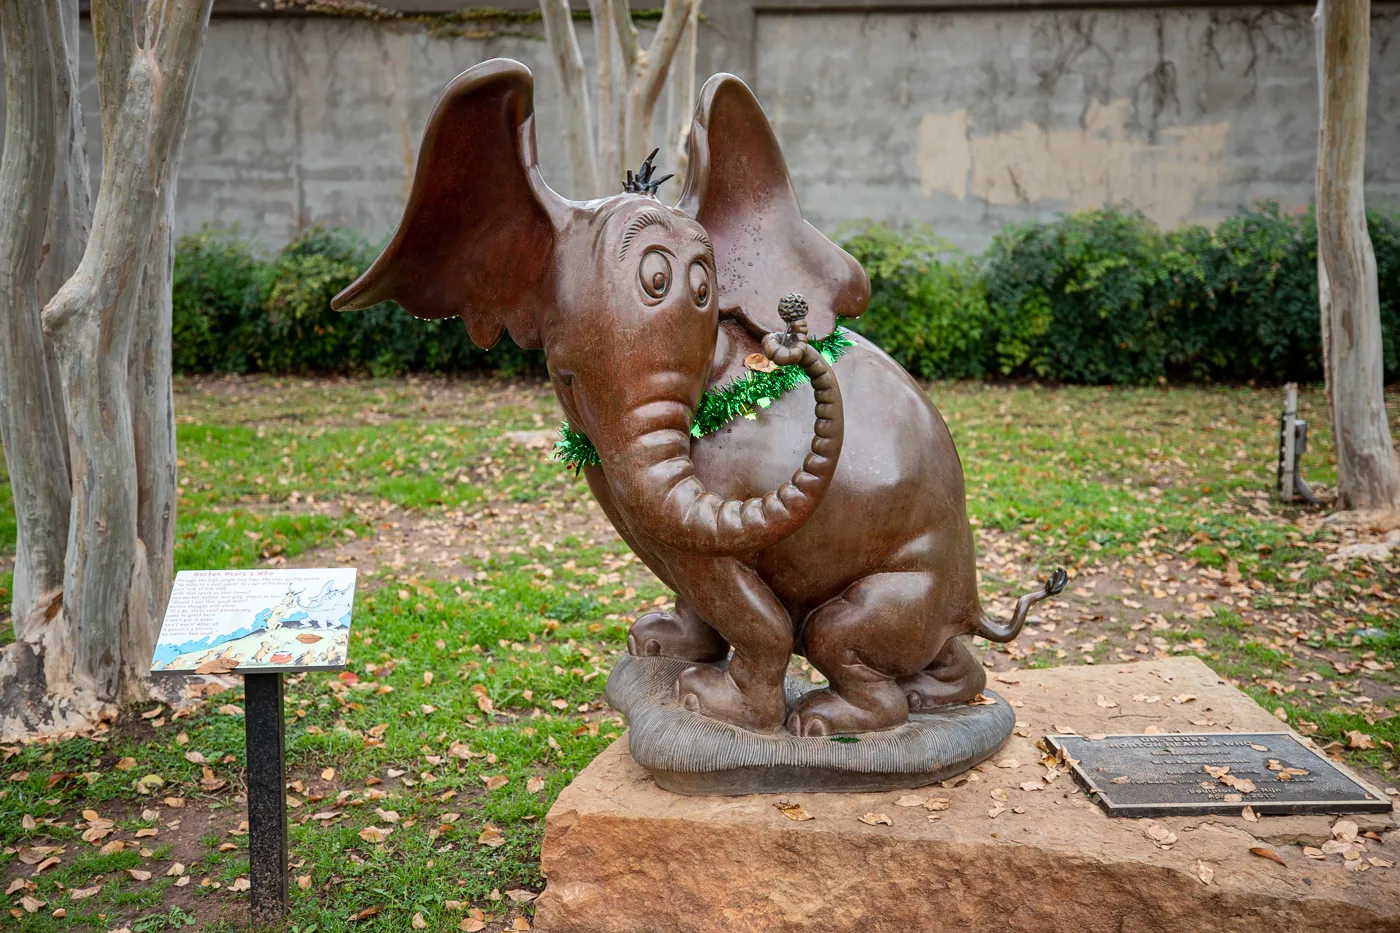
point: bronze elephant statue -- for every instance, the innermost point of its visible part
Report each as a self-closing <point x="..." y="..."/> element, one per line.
<point x="864" y="562"/>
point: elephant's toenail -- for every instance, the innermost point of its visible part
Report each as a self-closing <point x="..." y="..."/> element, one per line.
<point x="691" y="702"/>
<point x="816" y="727"/>
<point x="653" y="648"/>
<point x="915" y="701"/>
<point x="631" y="645"/>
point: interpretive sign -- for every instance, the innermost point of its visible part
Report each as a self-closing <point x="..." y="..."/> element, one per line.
<point x="222" y="621"/>
<point x="1211" y="772"/>
<point x="259" y="624"/>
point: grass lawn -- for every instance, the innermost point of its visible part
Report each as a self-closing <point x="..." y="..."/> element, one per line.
<point x="494" y="598"/>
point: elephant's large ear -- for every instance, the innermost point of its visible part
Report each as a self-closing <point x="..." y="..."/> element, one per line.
<point x="477" y="237"/>
<point x="740" y="192"/>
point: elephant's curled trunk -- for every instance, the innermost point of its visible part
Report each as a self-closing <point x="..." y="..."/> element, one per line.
<point x="675" y="507"/>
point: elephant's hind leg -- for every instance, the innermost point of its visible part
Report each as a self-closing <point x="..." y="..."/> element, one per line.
<point x="953" y="677"/>
<point x="862" y="641"/>
<point x="680" y="634"/>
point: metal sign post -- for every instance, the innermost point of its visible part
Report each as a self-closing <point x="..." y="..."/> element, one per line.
<point x="265" y="735"/>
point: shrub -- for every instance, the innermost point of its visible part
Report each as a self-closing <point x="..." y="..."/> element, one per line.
<point x="1082" y="298"/>
<point x="927" y="308"/>
<point x="214" y="302"/>
<point x="236" y="313"/>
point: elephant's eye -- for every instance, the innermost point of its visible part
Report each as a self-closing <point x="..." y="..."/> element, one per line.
<point x="655" y="273"/>
<point x="700" y="284"/>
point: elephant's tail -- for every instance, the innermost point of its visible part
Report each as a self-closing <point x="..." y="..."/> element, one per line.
<point x="992" y="630"/>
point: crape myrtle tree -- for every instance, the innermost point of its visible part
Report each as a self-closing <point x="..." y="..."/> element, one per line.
<point x="86" y="406"/>
<point x="630" y="80"/>
<point x="1368" y="466"/>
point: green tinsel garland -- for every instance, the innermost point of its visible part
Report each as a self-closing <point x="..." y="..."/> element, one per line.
<point x="718" y="406"/>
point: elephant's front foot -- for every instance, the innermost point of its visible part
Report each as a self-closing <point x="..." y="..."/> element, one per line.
<point x="681" y="634"/>
<point x="871" y="708"/>
<point x="712" y="692"/>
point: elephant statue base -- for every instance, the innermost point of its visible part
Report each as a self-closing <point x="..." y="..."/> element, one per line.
<point x="691" y="754"/>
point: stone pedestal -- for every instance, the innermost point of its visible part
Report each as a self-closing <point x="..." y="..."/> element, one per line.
<point x="623" y="856"/>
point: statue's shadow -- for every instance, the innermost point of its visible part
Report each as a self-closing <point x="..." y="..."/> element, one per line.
<point x="691" y="754"/>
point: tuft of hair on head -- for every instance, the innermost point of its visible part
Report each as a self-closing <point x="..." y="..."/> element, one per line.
<point x="643" y="182"/>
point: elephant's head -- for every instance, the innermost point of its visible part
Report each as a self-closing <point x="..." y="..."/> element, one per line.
<point x="624" y="293"/>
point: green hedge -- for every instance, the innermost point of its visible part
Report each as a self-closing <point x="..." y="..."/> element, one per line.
<point x="234" y="312"/>
<point x="1099" y="296"/>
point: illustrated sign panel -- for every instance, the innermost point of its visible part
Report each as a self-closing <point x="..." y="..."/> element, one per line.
<point x="246" y="621"/>
<point x="1211" y="772"/>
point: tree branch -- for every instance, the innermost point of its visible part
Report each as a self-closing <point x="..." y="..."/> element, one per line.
<point x="654" y="67"/>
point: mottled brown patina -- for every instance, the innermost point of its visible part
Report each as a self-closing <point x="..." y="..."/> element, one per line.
<point x="863" y="563"/>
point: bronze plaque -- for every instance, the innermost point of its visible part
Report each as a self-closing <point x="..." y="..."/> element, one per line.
<point x="1198" y="773"/>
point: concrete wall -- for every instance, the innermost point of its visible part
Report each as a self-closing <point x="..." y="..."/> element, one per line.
<point x="970" y="120"/>
<point x="962" y="119"/>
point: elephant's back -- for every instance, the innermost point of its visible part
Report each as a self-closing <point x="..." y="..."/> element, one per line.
<point x="895" y="501"/>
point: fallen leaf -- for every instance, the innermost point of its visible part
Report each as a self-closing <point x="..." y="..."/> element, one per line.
<point x="304" y="882"/>
<point x="521" y="896"/>
<point x="1159" y="834"/>
<point x="1204" y="872"/>
<point x="496" y="782"/>
<point x="375" y="833"/>
<point x="126" y="764"/>
<point x="139" y="874"/>
<point x="1311" y="852"/>
<point x="1269" y="854"/>
<point x="534" y="785"/>
<point x="328" y="774"/>
<point x="31" y="904"/>
<point x="520" y="925"/>
<point x="240" y="883"/>
<point x="1105" y="702"/>
<point x="1249" y="815"/>
<point x="875" y="819"/>
<point x="388" y="816"/>
<point x="793" y="811"/>
<point x="230" y="709"/>
<point x="418" y="923"/>
<point x="760" y="363"/>
<point x="491" y="836"/>
<point x="17" y="885"/>
<point x="910" y="800"/>
<point x="82" y="894"/>
<point x="1008" y="763"/>
<point x="47" y="863"/>
<point x="1344" y="830"/>
<point x="1360" y="740"/>
<point x="472" y="925"/>
<point x="364" y="914"/>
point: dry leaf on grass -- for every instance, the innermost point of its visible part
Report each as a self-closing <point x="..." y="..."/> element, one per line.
<point x="496" y="782"/>
<point x="491" y="836"/>
<point x="375" y="834"/>
<point x="534" y="785"/>
<point x="139" y="874"/>
<point x="472" y="925"/>
<point x="240" y="883"/>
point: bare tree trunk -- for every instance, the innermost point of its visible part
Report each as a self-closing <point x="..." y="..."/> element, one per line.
<point x="649" y="76"/>
<point x="110" y="324"/>
<point x="34" y="448"/>
<point x="578" y="114"/>
<point x="1368" y="468"/>
<point x="681" y="103"/>
<point x="610" y="169"/>
<point x="70" y="208"/>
